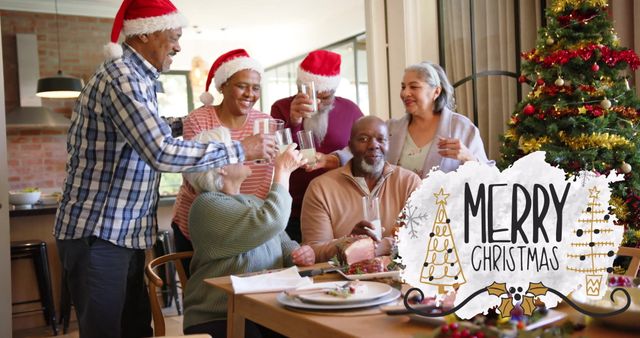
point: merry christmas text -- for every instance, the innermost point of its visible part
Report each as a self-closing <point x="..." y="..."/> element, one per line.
<point x="536" y="207"/>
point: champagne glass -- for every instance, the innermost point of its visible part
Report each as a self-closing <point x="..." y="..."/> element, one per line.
<point x="309" y="88"/>
<point x="307" y="146"/>
<point x="284" y="139"/>
<point x="371" y="213"/>
<point x="266" y="126"/>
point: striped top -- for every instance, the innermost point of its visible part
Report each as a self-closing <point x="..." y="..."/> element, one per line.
<point x="117" y="146"/>
<point x="258" y="184"/>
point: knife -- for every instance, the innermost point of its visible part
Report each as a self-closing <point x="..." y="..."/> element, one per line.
<point x="315" y="272"/>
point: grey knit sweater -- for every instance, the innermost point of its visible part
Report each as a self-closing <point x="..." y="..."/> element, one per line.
<point x="233" y="235"/>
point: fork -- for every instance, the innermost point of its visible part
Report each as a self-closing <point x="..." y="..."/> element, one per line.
<point x="297" y="292"/>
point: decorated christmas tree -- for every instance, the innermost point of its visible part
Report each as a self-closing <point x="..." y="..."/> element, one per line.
<point x="441" y="264"/>
<point x="581" y="110"/>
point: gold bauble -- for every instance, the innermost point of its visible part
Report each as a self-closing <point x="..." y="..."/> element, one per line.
<point x="559" y="82"/>
<point x="550" y="41"/>
<point x="605" y="103"/>
<point x="625" y="167"/>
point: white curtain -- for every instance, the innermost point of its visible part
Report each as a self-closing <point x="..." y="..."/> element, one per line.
<point x="495" y="48"/>
<point x="626" y="22"/>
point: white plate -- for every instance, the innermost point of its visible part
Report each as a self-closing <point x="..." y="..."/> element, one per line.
<point x="297" y="303"/>
<point x="372" y="290"/>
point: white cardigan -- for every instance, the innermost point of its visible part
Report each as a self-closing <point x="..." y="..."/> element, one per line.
<point x="452" y="125"/>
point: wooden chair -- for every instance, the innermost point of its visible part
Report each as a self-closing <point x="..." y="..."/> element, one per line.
<point x="155" y="283"/>
<point x="634" y="265"/>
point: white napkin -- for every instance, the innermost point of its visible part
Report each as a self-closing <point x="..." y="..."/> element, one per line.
<point x="270" y="282"/>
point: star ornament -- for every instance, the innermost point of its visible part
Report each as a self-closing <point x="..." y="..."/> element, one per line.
<point x="582" y="110"/>
<point x="441" y="197"/>
<point x="594" y="192"/>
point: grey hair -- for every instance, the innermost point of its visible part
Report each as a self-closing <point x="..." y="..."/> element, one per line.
<point x="435" y="76"/>
<point x="210" y="180"/>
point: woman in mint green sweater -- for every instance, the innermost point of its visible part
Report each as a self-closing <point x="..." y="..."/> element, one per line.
<point x="235" y="233"/>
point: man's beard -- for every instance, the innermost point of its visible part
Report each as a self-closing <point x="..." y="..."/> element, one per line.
<point x="371" y="169"/>
<point x="318" y="123"/>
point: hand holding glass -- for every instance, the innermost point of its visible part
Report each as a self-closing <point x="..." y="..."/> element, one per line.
<point x="307" y="147"/>
<point x="309" y="88"/>
<point x="371" y="213"/>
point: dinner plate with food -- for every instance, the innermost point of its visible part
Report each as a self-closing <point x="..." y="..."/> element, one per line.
<point x="372" y="295"/>
<point x="357" y="261"/>
<point x="341" y="292"/>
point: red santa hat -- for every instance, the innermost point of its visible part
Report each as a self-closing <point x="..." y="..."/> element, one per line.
<point x="323" y="68"/>
<point x="224" y="67"/>
<point x="137" y="17"/>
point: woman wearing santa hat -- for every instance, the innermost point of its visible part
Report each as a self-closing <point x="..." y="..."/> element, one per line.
<point x="237" y="76"/>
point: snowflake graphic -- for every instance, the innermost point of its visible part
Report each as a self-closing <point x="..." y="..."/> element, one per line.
<point x="411" y="218"/>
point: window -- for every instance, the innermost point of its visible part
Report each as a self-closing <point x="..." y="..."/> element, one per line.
<point x="485" y="79"/>
<point x="280" y="80"/>
<point x="175" y="100"/>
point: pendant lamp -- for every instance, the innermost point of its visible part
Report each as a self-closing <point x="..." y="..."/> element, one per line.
<point x="59" y="86"/>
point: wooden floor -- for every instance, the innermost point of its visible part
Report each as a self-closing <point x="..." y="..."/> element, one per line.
<point x="172" y="321"/>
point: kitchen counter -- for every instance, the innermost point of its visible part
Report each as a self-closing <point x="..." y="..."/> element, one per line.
<point x="51" y="209"/>
<point x="34" y="210"/>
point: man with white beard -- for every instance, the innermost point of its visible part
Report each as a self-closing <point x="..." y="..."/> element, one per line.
<point x="331" y="124"/>
<point x="332" y="206"/>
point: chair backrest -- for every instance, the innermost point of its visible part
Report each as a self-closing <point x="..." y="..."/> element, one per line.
<point x="156" y="282"/>
<point x="634" y="265"/>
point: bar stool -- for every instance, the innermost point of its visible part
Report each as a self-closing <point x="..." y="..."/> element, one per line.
<point x="36" y="250"/>
<point x="65" y="303"/>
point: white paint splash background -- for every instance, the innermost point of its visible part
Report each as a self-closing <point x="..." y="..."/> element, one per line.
<point x="532" y="169"/>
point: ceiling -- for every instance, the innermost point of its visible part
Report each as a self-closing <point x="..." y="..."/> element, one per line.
<point x="272" y="31"/>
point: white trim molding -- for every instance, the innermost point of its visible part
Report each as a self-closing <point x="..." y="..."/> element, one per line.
<point x="92" y="8"/>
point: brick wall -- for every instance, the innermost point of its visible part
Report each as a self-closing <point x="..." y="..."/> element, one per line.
<point x="37" y="157"/>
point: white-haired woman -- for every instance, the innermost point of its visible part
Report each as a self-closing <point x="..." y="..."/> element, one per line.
<point x="235" y="233"/>
<point x="237" y="76"/>
<point x="431" y="134"/>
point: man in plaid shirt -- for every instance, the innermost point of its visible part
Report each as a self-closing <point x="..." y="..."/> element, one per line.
<point x="117" y="146"/>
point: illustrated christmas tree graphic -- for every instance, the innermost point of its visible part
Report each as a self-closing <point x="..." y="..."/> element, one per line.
<point x="581" y="110"/>
<point x="594" y="244"/>
<point x="441" y="265"/>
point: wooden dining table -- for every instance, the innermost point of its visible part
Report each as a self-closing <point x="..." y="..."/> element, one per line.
<point x="264" y="309"/>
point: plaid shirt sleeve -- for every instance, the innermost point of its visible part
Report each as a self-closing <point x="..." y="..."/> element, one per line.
<point x="134" y="118"/>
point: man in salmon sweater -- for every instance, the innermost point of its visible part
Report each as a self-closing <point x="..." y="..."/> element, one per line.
<point x="332" y="205"/>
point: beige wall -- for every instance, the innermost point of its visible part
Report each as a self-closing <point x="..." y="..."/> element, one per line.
<point x="399" y="33"/>
<point x="5" y="262"/>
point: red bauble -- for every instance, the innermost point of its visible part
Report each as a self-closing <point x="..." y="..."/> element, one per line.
<point x="540" y="81"/>
<point x="522" y="79"/>
<point x="529" y="109"/>
<point x="595" y="67"/>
